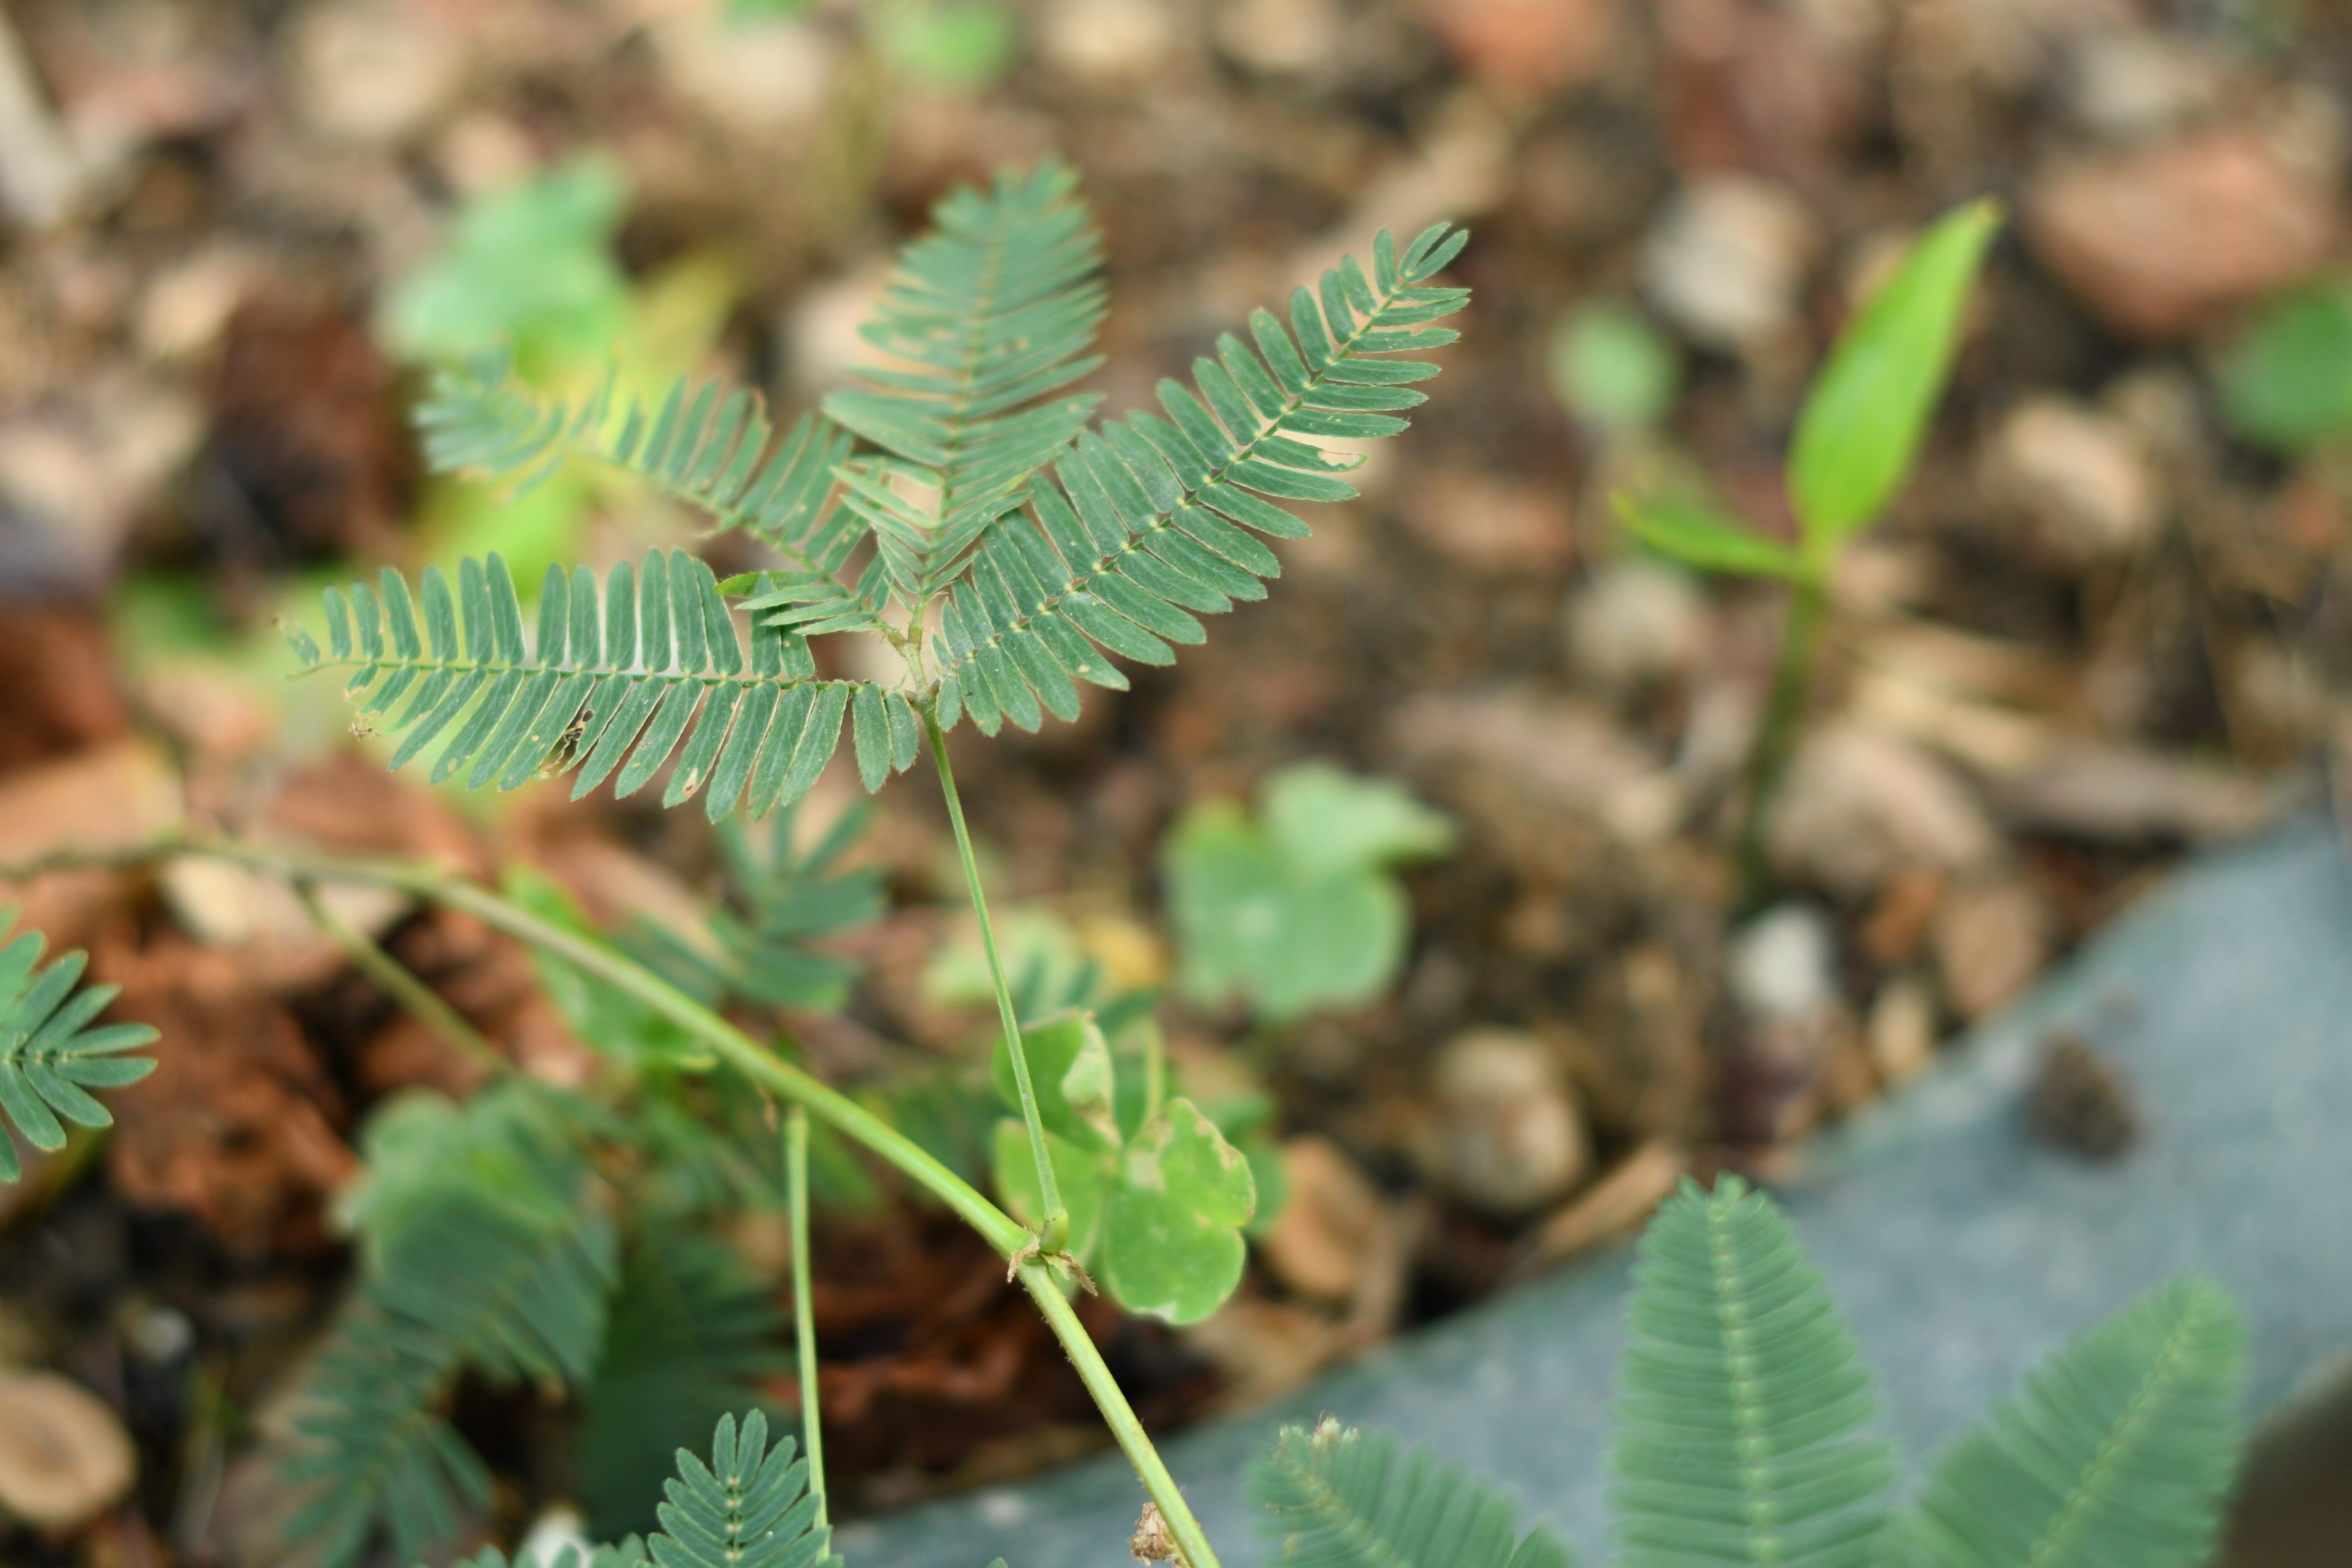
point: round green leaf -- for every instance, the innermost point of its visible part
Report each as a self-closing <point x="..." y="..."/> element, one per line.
<point x="1173" y="1246"/>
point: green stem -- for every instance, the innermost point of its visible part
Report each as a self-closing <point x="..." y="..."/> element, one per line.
<point x="796" y="1134"/>
<point x="1776" y="733"/>
<point x="395" y="979"/>
<point x="1192" y="1546"/>
<point x="1052" y="1233"/>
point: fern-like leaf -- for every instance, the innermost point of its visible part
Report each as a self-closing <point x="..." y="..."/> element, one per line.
<point x="1340" y="1498"/>
<point x="620" y="676"/>
<point x="691" y="1332"/>
<point x="49" y="1056"/>
<point x="707" y="445"/>
<point x="1744" y="1399"/>
<point x="990" y="312"/>
<point x="1151" y="520"/>
<point x="748" y="1508"/>
<point x="511" y="1282"/>
<point x="2120" y="1448"/>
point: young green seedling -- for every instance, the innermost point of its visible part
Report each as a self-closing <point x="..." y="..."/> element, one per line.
<point x="1856" y="440"/>
<point x="961" y="504"/>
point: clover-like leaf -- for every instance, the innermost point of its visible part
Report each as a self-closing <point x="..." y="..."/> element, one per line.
<point x="1326" y="821"/>
<point x="1173" y="1245"/>
<point x="1696" y="537"/>
<point x="1861" y="428"/>
<point x="1290" y="940"/>
<point x="2287" y="383"/>
<point x="1069" y="1068"/>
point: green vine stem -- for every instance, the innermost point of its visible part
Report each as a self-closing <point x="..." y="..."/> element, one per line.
<point x="796" y="1200"/>
<point x="424" y="879"/>
<point x="395" y="979"/>
<point x="1775" y="734"/>
<point x="1054" y="1232"/>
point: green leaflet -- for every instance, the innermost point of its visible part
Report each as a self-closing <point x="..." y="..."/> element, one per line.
<point x="1339" y="1498"/>
<point x="1296" y="910"/>
<point x="2120" y="1447"/>
<point x="49" y="1055"/>
<point x="1730" y="1334"/>
<point x="1861" y="427"/>
<point x="748" y="1508"/>
<point x="1698" y="538"/>
<point x="618" y="680"/>
<point x="1161" y="1200"/>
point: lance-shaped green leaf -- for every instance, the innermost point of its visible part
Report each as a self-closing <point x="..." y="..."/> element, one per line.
<point x="1861" y="428"/>
<point x="1696" y="537"/>
<point x="1172" y="1244"/>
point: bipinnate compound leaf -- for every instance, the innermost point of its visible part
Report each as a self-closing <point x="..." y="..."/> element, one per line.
<point x="49" y="1055"/>
<point x="2119" y="1449"/>
<point x="748" y="1508"/>
<point x="1070" y="1072"/>
<point x="692" y="1332"/>
<point x="510" y="1281"/>
<point x="1172" y="1244"/>
<point x="1680" y="531"/>
<point x="2287" y="383"/>
<point x="1743" y="1402"/>
<point x="1862" y="424"/>
<point x="1339" y="1498"/>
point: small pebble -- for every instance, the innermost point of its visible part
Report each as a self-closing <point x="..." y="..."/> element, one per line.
<point x="2079" y="1102"/>
<point x="1506" y="1135"/>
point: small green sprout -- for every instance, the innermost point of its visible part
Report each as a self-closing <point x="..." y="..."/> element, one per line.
<point x="1295" y="910"/>
<point x="1856" y="441"/>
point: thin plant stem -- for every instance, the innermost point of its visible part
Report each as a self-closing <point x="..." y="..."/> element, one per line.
<point x="397" y="981"/>
<point x="427" y="880"/>
<point x="1192" y="1546"/>
<point x="1055" y="1230"/>
<point x="796" y="1137"/>
<point x="1776" y="733"/>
